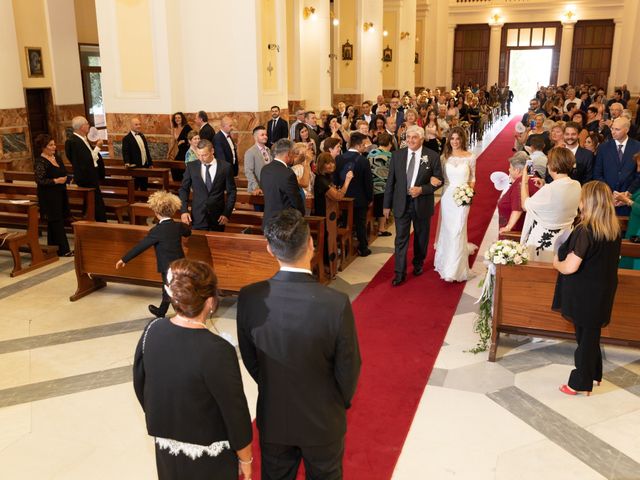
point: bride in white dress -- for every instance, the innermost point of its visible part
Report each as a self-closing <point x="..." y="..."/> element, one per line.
<point x="452" y="248"/>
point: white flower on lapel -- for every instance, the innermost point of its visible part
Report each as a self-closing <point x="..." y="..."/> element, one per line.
<point x="424" y="160"/>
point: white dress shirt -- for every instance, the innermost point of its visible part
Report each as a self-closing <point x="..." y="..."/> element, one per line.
<point x="414" y="176"/>
<point x="295" y="270"/>
<point x="623" y="144"/>
<point x="95" y="152"/>
<point x="212" y="170"/>
<point x="143" y="151"/>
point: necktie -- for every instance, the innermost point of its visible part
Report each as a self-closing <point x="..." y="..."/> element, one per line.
<point x="207" y="178"/>
<point x="620" y="153"/>
<point x="273" y="127"/>
<point x="411" y="168"/>
<point x="265" y="154"/>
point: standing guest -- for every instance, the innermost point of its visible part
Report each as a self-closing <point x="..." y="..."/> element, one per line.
<point x="422" y="114"/>
<point x="452" y="110"/>
<point x="360" y="189"/>
<point x="332" y="146"/>
<point x="379" y="101"/>
<point x="379" y="159"/>
<point x="614" y="162"/>
<point x="592" y="123"/>
<point x="302" y="158"/>
<point x="324" y="187"/>
<point x="379" y="127"/>
<point x="432" y="132"/>
<point x="166" y="239"/>
<point x="209" y="181"/>
<point x="588" y="277"/>
<point x="303" y="135"/>
<point x="224" y="146"/>
<point x="299" y="119"/>
<point x="366" y="114"/>
<point x="279" y="183"/>
<point x="442" y="120"/>
<point x="583" y="170"/>
<point x="51" y="178"/>
<point x="341" y="111"/>
<point x="255" y="158"/>
<point x="395" y="112"/>
<point x="415" y="173"/>
<point x="538" y="130"/>
<point x="189" y="385"/>
<point x="556" y="135"/>
<point x="510" y="216"/>
<point x="633" y="227"/>
<point x="205" y="130"/>
<point x="626" y="94"/>
<point x="277" y="127"/>
<point x="538" y="160"/>
<point x="552" y="210"/>
<point x="135" y="152"/>
<point x="311" y="122"/>
<point x="88" y="167"/>
<point x="194" y="139"/>
<point x="390" y="127"/>
<point x="592" y="142"/>
<point x="181" y="129"/>
<point x="298" y="341"/>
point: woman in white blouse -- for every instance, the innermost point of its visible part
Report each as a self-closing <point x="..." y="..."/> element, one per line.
<point x="553" y="209"/>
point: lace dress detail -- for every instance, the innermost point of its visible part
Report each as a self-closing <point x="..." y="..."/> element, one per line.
<point x="191" y="450"/>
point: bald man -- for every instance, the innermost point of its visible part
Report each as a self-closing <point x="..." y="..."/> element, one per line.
<point x="225" y="147"/>
<point x="135" y="152"/>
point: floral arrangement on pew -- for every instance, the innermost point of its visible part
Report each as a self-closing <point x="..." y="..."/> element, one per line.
<point x="463" y="195"/>
<point x="501" y="252"/>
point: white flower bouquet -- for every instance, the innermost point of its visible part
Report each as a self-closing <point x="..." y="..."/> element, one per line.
<point x="507" y="252"/>
<point x="463" y="195"/>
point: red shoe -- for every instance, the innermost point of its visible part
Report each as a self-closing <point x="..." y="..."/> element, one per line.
<point x="570" y="391"/>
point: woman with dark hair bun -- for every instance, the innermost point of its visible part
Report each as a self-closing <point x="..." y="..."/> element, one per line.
<point x="51" y="178"/>
<point x="188" y="382"/>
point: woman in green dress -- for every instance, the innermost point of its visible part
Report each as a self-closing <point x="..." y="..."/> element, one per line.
<point x="633" y="228"/>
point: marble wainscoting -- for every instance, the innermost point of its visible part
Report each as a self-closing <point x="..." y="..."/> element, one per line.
<point x="60" y="120"/>
<point x="354" y="99"/>
<point x="15" y="139"/>
<point x="296" y="105"/>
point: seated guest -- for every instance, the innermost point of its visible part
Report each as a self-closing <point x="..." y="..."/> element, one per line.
<point x="633" y="227"/>
<point x="51" y="178"/>
<point x="509" y="207"/>
<point x="135" y="152"/>
<point x="323" y="186"/>
<point x="165" y="238"/>
<point x="188" y="382"/>
<point x="587" y="282"/>
<point x="552" y="210"/>
<point x="538" y="160"/>
<point x="379" y="159"/>
<point x="614" y="162"/>
<point x="194" y="139"/>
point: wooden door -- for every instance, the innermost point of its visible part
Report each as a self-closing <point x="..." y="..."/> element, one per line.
<point x="471" y="55"/>
<point x="591" y="53"/>
<point x="37" y="111"/>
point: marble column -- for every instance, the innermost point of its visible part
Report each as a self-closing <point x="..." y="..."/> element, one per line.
<point x="400" y="22"/>
<point x="439" y="40"/>
<point x="494" y="54"/>
<point x="566" y="47"/>
<point x="14" y="132"/>
<point x="451" y="36"/>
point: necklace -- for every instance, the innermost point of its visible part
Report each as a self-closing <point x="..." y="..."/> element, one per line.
<point x="192" y="322"/>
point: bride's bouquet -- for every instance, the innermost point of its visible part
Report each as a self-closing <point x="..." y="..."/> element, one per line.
<point x="463" y="195"/>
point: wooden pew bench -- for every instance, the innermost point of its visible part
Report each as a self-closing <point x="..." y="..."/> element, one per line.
<point x="243" y="196"/>
<point x="23" y="212"/>
<point x="237" y="259"/>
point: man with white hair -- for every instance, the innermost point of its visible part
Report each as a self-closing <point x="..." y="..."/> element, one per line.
<point x="615" y="164"/>
<point x="415" y="173"/>
<point x="88" y="167"/>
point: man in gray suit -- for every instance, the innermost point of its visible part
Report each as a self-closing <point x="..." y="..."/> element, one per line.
<point x="255" y="158"/>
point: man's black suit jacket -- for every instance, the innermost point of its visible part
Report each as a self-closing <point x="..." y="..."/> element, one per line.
<point x="298" y="341"/>
<point x="131" y="150"/>
<point x="275" y="133"/>
<point x="223" y="151"/>
<point x="207" y="206"/>
<point x="85" y="173"/>
<point x="361" y="187"/>
<point x="396" y="191"/>
<point x="166" y="238"/>
<point x="280" y="189"/>
<point x="207" y="133"/>
<point x="584" y="166"/>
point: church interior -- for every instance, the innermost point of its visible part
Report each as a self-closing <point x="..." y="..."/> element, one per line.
<point x="427" y="406"/>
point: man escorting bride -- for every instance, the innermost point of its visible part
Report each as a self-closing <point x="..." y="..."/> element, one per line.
<point x="452" y="248"/>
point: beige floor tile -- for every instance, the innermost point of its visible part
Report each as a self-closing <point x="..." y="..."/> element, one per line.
<point x="621" y="432"/>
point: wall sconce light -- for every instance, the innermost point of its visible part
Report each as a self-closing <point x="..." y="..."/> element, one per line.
<point x="368" y="26"/>
<point x="404" y="35"/>
<point x="336" y="22"/>
<point x="385" y="33"/>
<point x="309" y="12"/>
<point x="496" y="20"/>
<point x="273" y="46"/>
<point x="569" y="16"/>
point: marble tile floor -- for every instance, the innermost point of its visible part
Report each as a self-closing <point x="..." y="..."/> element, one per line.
<point x="68" y="411"/>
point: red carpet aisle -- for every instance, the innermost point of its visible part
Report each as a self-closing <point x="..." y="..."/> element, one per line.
<point x="401" y="331"/>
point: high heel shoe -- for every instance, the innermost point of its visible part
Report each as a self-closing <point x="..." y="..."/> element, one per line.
<point x="597" y="383"/>
<point x="570" y="391"/>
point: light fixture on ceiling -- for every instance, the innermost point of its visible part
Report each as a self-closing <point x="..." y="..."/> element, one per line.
<point x="309" y="12"/>
<point x="569" y="16"/>
<point x="496" y="20"/>
<point x="368" y="26"/>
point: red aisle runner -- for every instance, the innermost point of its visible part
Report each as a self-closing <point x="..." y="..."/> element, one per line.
<point x="401" y="331"/>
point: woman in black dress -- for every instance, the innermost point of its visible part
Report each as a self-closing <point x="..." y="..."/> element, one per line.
<point x="586" y="286"/>
<point x="181" y="129"/>
<point x="51" y="178"/>
<point x="188" y="382"/>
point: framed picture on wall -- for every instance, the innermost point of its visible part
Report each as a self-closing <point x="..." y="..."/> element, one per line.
<point x="34" y="62"/>
<point x="347" y="51"/>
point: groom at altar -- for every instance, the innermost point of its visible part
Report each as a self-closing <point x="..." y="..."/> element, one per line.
<point x="415" y="173"/>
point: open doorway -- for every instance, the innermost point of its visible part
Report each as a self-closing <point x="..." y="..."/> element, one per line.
<point x="528" y="70"/>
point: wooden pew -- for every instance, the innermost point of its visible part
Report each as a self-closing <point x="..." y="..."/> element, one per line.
<point x="237" y="259"/>
<point x="25" y="213"/>
<point x="523" y="297"/>
<point x="163" y="174"/>
<point x="345" y="232"/>
<point x="243" y="196"/>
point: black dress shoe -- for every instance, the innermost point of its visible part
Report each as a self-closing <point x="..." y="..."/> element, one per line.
<point x="384" y="234"/>
<point x="398" y="279"/>
<point x="155" y="311"/>
<point x="417" y="271"/>
<point x="364" y="253"/>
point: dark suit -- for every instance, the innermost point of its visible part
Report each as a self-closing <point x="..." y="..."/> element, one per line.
<point x="407" y="210"/>
<point x="360" y="189"/>
<point x="207" y="132"/>
<point x="131" y="155"/>
<point x="223" y="151"/>
<point x="620" y="176"/>
<point x="85" y="173"/>
<point x="583" y="172"/>
<point x="207" y="206"/>
<point x="277" y="131"/>
<point x="166" y="239"/>
<point x="299" y="343"/>
<point x="280" y="189"/>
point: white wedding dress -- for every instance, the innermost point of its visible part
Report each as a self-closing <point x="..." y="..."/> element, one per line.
<point x="452" y="248"/>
